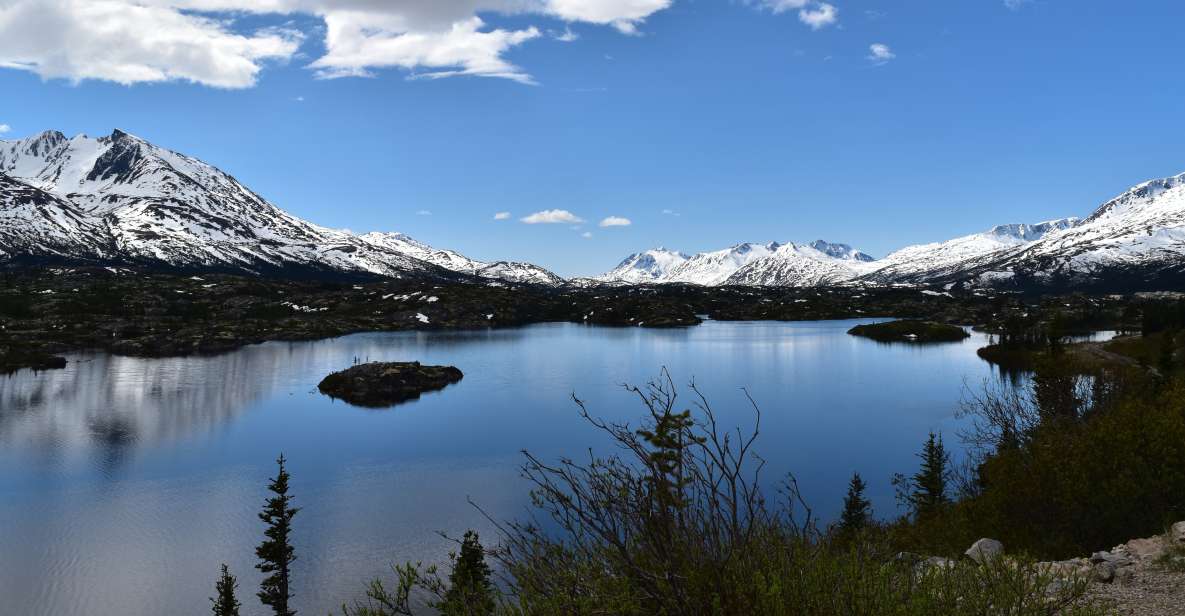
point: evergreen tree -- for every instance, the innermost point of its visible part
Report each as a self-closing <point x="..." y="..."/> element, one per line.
<point x="929" y="483"/>
<point x="225" y="603"/>
<point x="275" y="553"/>
<point x="857" y="510"/>
<point x="470" y="592"/>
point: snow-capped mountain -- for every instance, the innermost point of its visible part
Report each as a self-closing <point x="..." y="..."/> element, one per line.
<point x="920" y="261"/>
<point x="841" y="251"/>
<point x="122" y="198"/>
<point x="648" y="266"/>
<point x="510" y="271"/>
<point x="771" y="264"/>
<point x="33" y="221"/>
<point x="793" y="265"/>
<point x="1136" y="240"/>
<point x="713" y="268"/>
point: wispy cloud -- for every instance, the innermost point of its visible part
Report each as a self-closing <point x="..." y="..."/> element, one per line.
<point x="616" y="221"/>
<point x="552" y="217"/>
<point x="813" y="13"/>
<point x="670" y="212"/>
<point x="567" y="36"/>
<point x="502" y="216"/>
<point x="424" y="213"/>
<point x="819" y="16"/>
<point x="4" y="128"/>
<point x="880" y="53"/>
<point x="586" y="234"/>
<point x="1016" y="5"/>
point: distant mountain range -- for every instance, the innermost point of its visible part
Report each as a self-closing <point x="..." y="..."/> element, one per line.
<point x="1133" y="242"/>
<point x="121" y="200"/>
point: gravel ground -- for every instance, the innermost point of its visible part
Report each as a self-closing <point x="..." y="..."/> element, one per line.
<point x="1151" y="592"/>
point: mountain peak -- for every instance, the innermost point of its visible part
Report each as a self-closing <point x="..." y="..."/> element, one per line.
<point x="841" y="251"/>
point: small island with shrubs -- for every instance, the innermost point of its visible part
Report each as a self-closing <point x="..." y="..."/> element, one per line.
<point x="911" y="330"/>
<point x="385" y="384"/>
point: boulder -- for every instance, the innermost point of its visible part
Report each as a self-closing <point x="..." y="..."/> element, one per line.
<point x="1145" y="549"/>
<point x="1177" y="532"/>
<point x="1104" y="572"/>
<point x="378" y="384"/>
<point x="1111" y="558"/>
<point x="984" y="550"/>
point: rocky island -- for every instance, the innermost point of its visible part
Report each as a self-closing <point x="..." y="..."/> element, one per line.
<point x="385" y="384"/>
<point x="911" y="330"/>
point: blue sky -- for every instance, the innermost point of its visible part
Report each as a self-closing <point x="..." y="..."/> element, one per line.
<point x="702" y="122"/>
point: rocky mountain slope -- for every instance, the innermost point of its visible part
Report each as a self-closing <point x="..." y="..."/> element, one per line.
<point x="793" y="265"/>
<point x="714" y="268"/>
<point x="122" y="199"/>
<point x="644" y="267"/>
<point x="1136" y="241"/>
<point x="917" y="262"/>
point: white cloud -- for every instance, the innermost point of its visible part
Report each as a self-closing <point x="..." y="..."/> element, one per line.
<point x="880" y="53"/>
<point x="424" y="213"/>
<point x="4" y="128"/>
<point x="502" y="216"/>
<point x="1016" y="5"/>
<point x="819" y="16"/>
<point x="136" y="41"/>
<point x="357" y="43"/>
<point x="616" y="221"/>
<point x="567" y="36"/>
<point x="586" y="234"/>
<point x="625" y="15"/>
<point x="670" y="212"/>
<point x="550" y="217"/>
<point x="813" y="13"/>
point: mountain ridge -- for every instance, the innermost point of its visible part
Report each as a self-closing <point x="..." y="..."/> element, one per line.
<point x="157" y="207"/>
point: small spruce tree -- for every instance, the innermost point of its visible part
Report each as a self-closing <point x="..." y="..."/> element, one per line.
<point x="926" y="489"/>
<point x="275" y="553"/>
<point x="857" y="510"/>
<point x="470" y="592"/>
<point x="225" y="603"/>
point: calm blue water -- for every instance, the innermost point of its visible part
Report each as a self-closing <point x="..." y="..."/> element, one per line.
<point x="125" y="482"/>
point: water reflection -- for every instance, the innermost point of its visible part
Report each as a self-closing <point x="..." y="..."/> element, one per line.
<point x="111" y="404"/>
